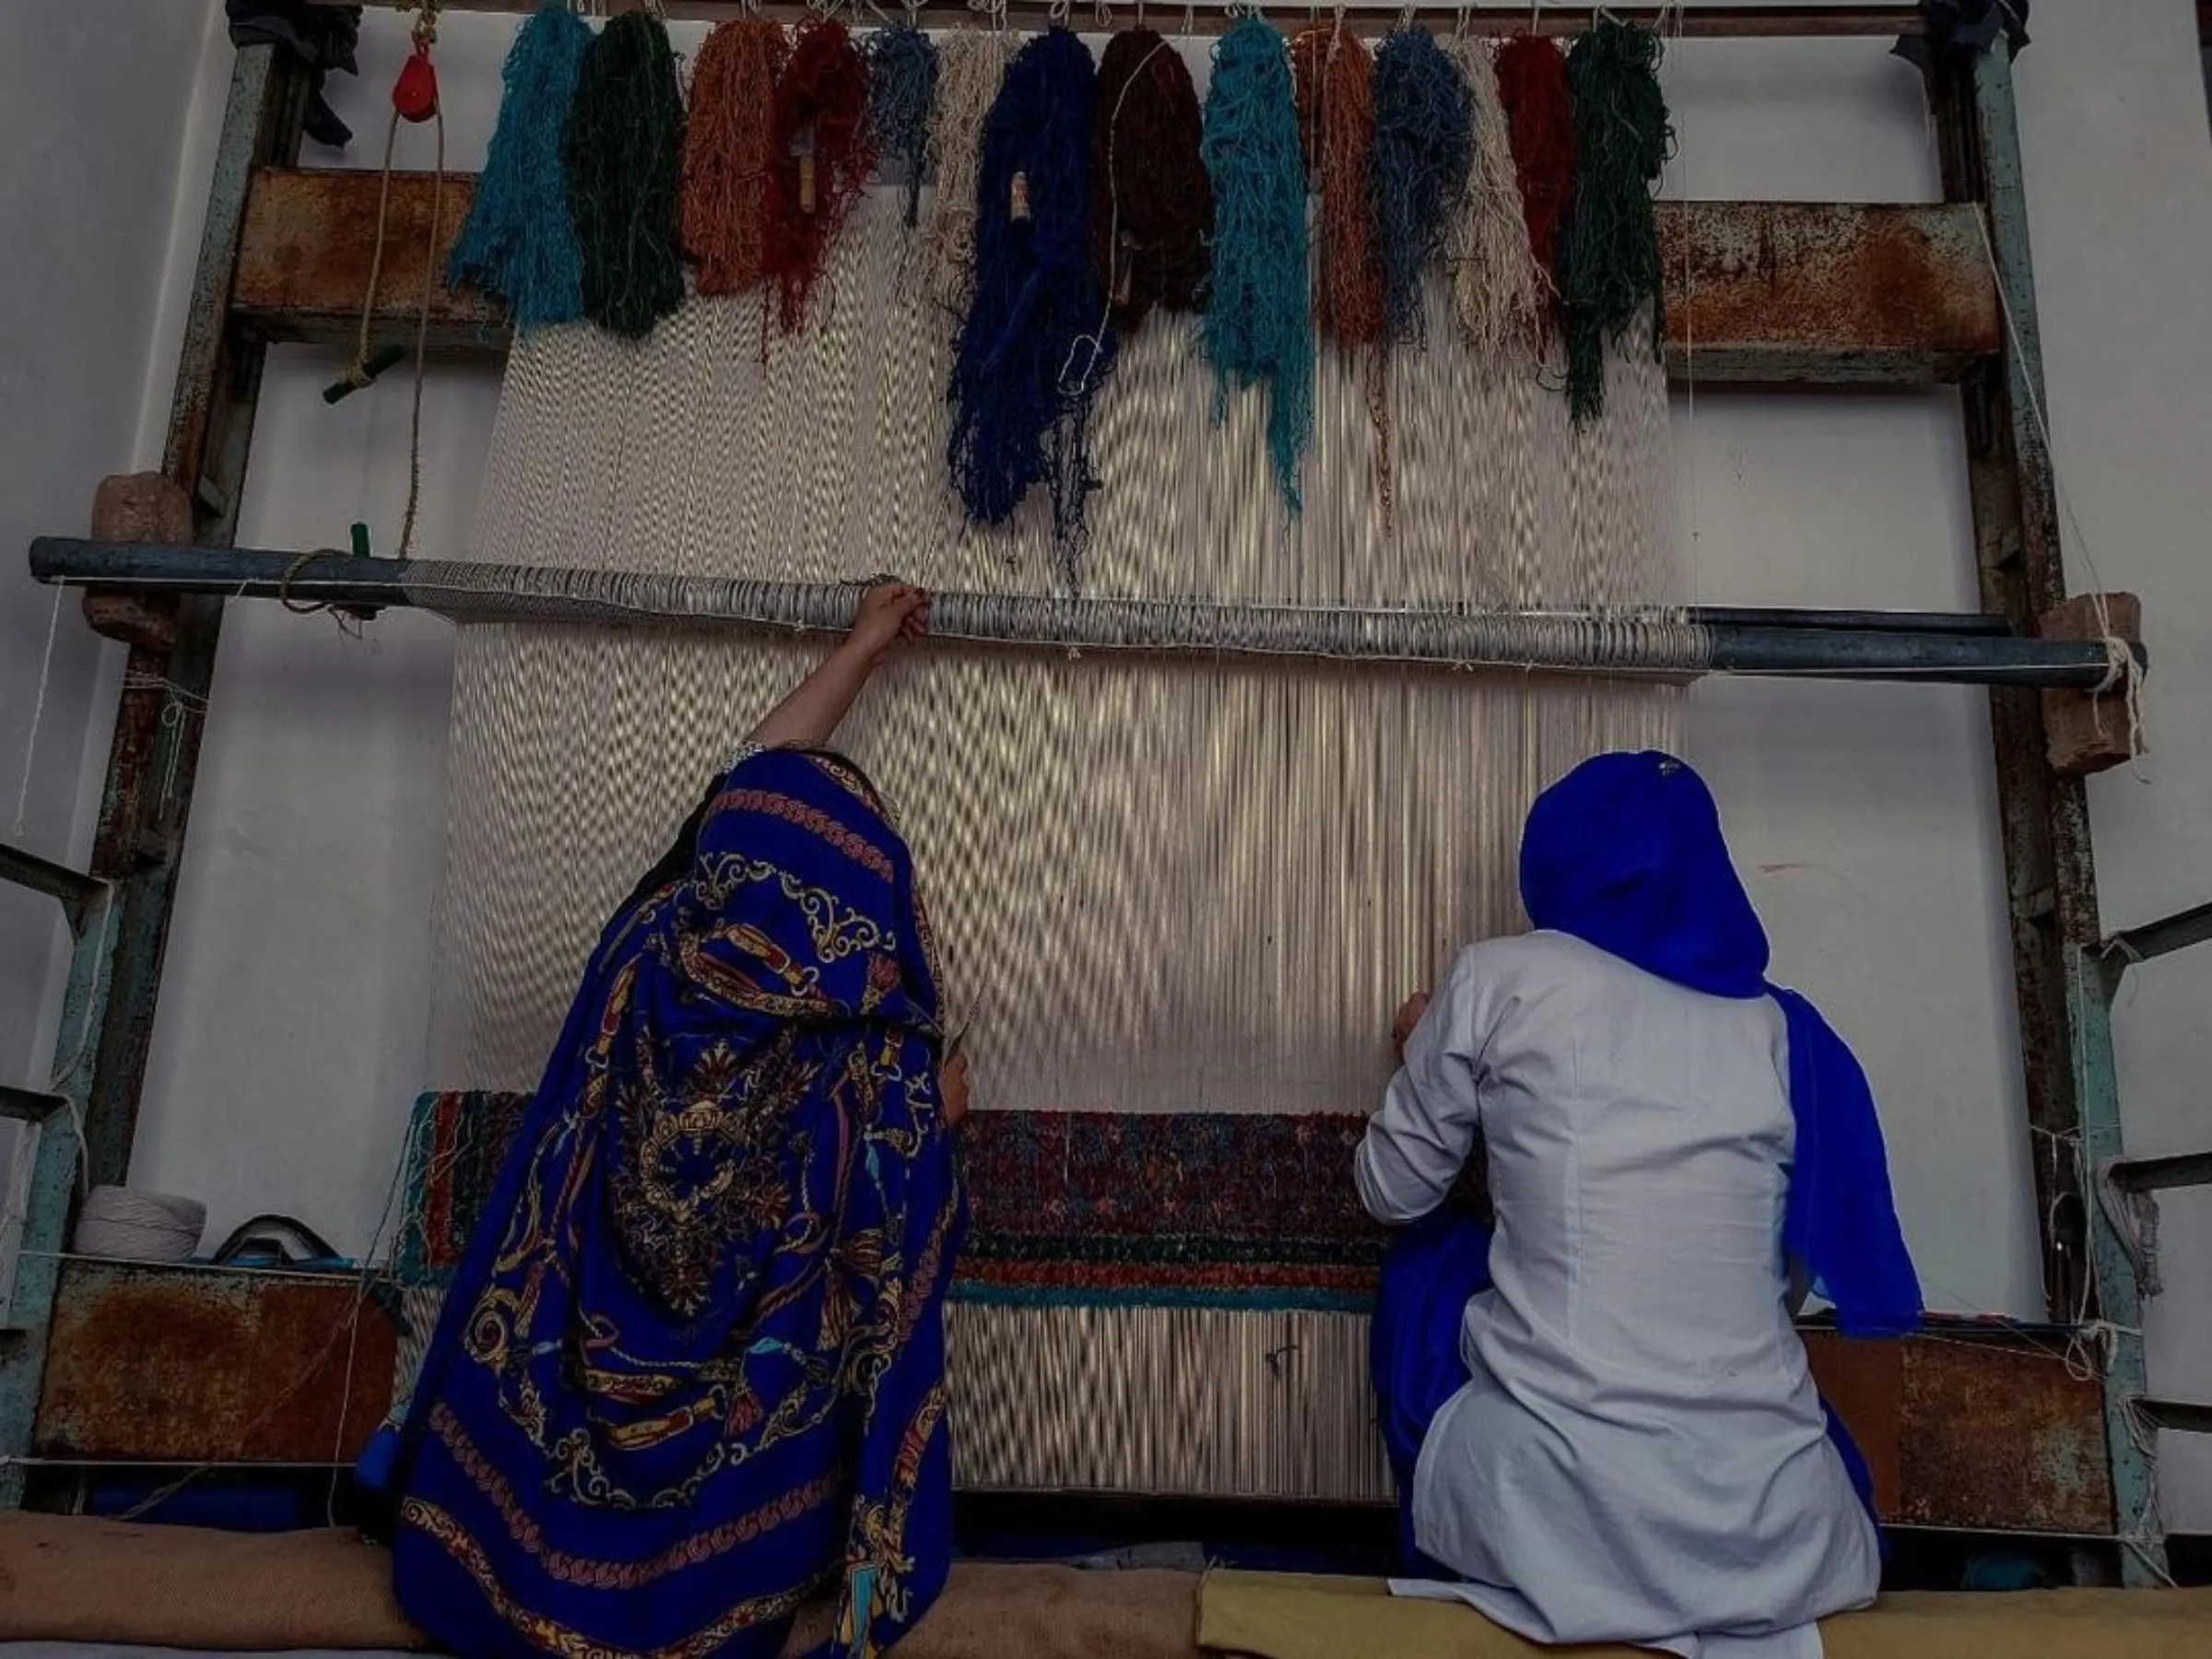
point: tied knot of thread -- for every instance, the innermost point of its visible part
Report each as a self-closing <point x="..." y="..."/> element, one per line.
<point x="2122" y="674"/>
<point x="128" y="1224"/>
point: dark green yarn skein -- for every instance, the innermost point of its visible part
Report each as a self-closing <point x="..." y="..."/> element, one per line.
<point x="624" y="153"/>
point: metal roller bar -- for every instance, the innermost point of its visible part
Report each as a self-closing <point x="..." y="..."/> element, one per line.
<point x="2168" y="934"/>
<point x="1778" y="645"/>
<point x="2161" y="1174"/>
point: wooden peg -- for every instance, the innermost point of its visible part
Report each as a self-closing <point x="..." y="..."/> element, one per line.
<point x="2086" y="732"/>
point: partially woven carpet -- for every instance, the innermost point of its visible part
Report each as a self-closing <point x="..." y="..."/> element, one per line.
<point x="1150" y="1277"/>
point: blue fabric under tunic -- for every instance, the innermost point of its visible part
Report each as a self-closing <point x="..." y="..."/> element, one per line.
<point x="692" y="1367"/>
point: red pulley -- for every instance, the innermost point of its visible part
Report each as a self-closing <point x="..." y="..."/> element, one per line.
<point x="415" y="94"/>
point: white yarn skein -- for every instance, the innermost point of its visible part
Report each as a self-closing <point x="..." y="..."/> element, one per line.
<point x="125" y="1223"/>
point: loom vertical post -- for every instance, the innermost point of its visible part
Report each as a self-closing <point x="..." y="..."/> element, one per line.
<point x="2051" y="882"/>
<point x="91" y="913"/>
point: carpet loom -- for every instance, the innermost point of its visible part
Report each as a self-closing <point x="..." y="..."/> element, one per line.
<point x="1180" y="894"/>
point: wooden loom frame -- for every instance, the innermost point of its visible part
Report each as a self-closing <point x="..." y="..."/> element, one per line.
<point x="1785" y="295"/>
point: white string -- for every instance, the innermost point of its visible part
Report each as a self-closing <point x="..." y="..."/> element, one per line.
<point x="2120" y="666"/>
<point x="38" y="714"/>
<point x="181" y="705"/>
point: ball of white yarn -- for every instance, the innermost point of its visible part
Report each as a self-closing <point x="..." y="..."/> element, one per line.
<point x="122" y="1222"/>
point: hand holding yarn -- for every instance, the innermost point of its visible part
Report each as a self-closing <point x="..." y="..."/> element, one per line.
<point x="890" y="613"/>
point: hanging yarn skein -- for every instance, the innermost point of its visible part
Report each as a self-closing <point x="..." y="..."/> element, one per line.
<point x="1336" y="131"/>
<point x="1424" y="138"/>
<point x="519" y="242"/>
<point x="1609" y="269"/>
<point x="1258" y="330"/>
<point x="970" y="67"/>
<point x="1151" y="204"/>
<point x="1495" y="283"/>
<point x="729" y="144"/>
<point x="1036" y="342"/>
<point x="1532" y="85"/>
<point x="625" y="152"/>
<point x="902" y="89"/>
<point x="823" y="152"/>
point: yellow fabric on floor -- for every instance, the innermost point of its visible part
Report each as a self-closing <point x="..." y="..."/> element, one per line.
<point x="1280" y="1615"/>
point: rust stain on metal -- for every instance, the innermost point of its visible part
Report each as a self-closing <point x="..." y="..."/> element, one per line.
<point x="1776" y="291"/>
<point x="162" y="1364"/>
<point x="308" y="243"/>
<point x="1864" y="1381"/>
<point x="2001" y="1436"/>
<point x="1802" y="283"/>
<point x="1989" y="1433"/>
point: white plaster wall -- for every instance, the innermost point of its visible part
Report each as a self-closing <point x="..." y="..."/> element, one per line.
<point x="291" y="1029"/>
<point x="95" y="101"/>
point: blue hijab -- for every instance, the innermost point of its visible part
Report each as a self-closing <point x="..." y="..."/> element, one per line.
<point x="1625" y="853"/>
<point x="691" y="1369"/>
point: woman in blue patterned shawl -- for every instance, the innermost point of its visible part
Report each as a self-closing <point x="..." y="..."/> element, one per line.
<point x="692" y="1367"/>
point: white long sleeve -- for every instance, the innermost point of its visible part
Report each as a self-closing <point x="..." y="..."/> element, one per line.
<point x="1417" y="1144"/>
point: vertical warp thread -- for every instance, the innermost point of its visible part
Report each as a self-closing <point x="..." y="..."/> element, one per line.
<point x="1036" y="342"/>
<point x="970" y="67"/>
<point x="821" y="155"/>
<point x="728" y="150"/>
<point x="1609" y="246"/>
<point x="624" y="148"/>
<point x="1424" y="137"/>
<point x="519" y="240"/>
<point x="1258" y="330"/>
<point x="1495" y="282"/>
<point x="1336" y="130"/>
<point x="1532" y="85"/>
<point x="1151" y="204"/>
<point x="902" y="89"/>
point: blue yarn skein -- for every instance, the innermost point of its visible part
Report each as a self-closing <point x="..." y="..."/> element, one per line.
<point x="1424" y="140"/>
<point x="519" y="242"/>
<point x="903" y="90"/>
<point x="1035" y="343"/>
<point x="1258" y="329"/>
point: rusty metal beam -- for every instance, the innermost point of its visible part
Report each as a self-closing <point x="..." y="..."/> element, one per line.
<point x="148" y="1364"/>
<point x="186" y="1365"/>
<point x="1983" y="1431"/>
<point x="1760" y="292"/>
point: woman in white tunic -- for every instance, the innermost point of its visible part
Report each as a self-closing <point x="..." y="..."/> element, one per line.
<point x="1601" y="1415"/>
